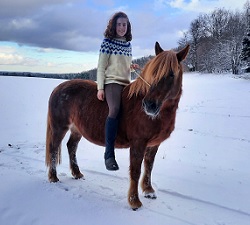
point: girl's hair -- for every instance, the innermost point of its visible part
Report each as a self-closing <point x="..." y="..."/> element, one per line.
<point x="110" y="31"/>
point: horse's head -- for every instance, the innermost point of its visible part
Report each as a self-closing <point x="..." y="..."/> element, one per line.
<point x="164" y="74"/>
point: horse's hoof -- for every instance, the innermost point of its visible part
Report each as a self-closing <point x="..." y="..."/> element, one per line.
<point x="150" y="195"/>
<point x="135" y="208"/>
<point x="53" y="179"/>
<point x="78" y="176"/>
<point x="135" y="204"/>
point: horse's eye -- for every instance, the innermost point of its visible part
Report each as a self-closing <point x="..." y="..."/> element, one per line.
<point x="171" y="74"/>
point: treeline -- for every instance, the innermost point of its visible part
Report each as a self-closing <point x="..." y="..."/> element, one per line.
<point x="89" y="75"/>
<point x="140" y="61"/>
<point x="220" y="42"/>
<point x="67" y="76"/>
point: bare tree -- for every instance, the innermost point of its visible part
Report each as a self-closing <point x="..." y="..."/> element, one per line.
<point x="216" y="41"/>
<point x="197" y="32"/>
<point x="235" y="33"/>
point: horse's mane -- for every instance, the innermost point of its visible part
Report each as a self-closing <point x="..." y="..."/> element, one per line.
<point x="153" y="71"/>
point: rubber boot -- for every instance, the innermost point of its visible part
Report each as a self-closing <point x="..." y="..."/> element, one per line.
<point x="111" y="127"/>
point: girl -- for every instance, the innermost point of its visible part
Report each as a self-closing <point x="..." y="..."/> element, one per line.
<point x="113" y="74"/>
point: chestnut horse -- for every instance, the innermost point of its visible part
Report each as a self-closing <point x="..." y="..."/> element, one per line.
<point x="148" y="114"/>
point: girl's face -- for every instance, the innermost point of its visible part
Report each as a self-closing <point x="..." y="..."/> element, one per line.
<point x="121" y="26"/>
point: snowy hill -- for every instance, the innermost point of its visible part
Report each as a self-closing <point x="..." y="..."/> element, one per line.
<point x="201" y="173"/>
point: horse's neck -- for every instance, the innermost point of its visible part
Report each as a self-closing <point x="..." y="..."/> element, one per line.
<point x="126" y="97"/>
<point x="170" y="105"/>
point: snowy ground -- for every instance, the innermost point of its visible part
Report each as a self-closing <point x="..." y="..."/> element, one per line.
<point x="201" y="174"/>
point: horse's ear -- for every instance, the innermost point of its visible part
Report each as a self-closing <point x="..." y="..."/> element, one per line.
<point x="181" y="55"/>
<point x="158" y="48"/>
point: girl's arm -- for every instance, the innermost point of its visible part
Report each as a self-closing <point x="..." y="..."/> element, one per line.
<point x="102" y="64"/>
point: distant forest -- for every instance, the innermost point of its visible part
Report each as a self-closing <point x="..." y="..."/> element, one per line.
<point x="89" y="75"/>
<point x="220" y="43"/>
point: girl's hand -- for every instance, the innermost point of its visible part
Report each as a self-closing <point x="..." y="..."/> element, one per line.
<point x="100" y="95"/>
<point x="134" y="66"/>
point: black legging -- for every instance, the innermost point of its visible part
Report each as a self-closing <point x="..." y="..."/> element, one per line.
<point x="113" y="94"/>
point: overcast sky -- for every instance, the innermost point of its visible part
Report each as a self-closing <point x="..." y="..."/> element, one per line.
<point x="65" y="35"/>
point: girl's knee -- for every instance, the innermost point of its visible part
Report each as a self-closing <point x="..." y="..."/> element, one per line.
<point x="114" y="113"/>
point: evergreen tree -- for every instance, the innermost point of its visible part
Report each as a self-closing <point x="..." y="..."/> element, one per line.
<point x="245" y="54"/>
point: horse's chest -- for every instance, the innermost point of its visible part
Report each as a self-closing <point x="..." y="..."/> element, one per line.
<point x="161" y="130"/>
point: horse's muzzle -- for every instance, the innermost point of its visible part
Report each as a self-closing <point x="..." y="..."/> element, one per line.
<point x="151" y="108"/>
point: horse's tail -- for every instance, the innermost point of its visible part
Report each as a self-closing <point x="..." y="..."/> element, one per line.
<point x="49" y="144"/>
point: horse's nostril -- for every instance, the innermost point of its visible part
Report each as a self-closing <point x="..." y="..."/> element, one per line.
<point x="151" y="105"/>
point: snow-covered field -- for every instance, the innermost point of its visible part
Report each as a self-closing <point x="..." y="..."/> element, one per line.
<point x="201" y="174"/>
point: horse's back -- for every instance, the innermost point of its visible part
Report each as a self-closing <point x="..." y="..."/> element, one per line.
<point x="65" y="97"/>
<point x="70" y="90"/>
<point x="75" y="102"/>
<point x="73" y="87"/>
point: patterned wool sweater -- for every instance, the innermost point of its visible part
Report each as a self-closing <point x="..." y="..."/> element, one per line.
<point x="114" y="62"/>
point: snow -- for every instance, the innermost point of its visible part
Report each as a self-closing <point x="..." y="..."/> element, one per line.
<point x="201" y="173"/>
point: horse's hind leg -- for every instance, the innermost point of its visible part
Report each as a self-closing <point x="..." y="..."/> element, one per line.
<point x="72" y="144"/>
<point x="53" y="151"/>
<point x="146" y="185"/>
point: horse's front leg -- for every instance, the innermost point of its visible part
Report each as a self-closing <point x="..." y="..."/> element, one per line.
<point x="146" y="184"/>
<point x="136" y="156"/>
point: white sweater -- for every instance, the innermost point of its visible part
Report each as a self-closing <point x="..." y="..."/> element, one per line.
<point x="114" y="62"/>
